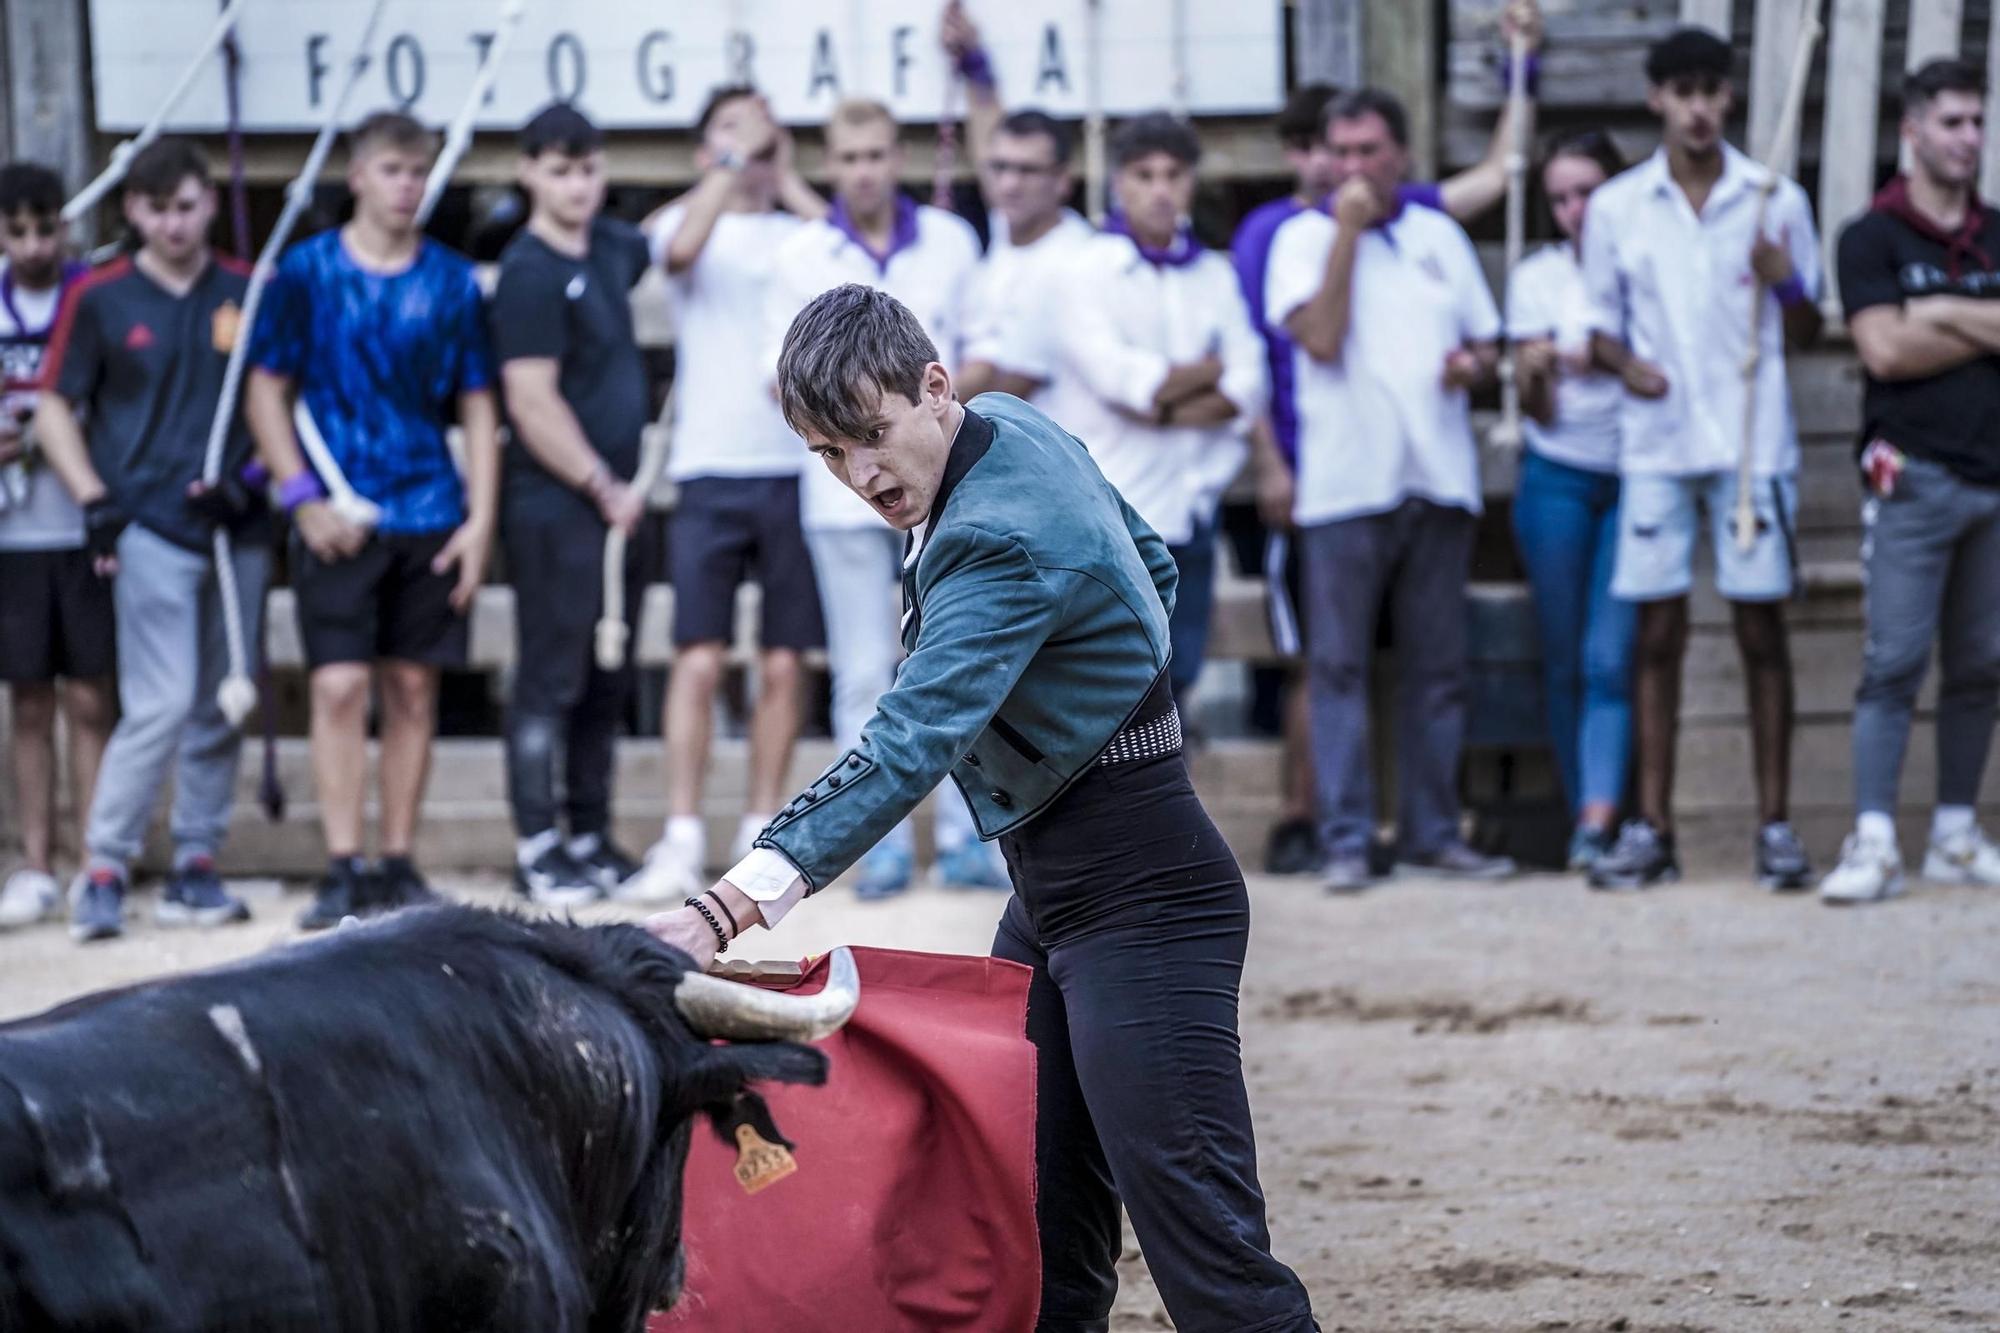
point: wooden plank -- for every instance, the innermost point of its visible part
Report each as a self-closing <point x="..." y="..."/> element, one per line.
<point x="48" y="109"/>
<point x="1849" y="126"/>
<point x="1326" y="42"/>
<point x="1989" y="165"/>
<point x="1773" y="48"/>
<point x="1400" y="42"/>
<point x="1714" y="15"/>
<point x="1934" y="30"/>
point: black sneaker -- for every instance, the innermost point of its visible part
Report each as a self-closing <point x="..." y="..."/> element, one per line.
<point x="1642" y="857"/>
<point x="555" y="879"/>
<point x="1294" y="849"/>
<point x="345" y="892"/>
<point x="194" y="896"/>
<point x="399" y="885"/>
<point x="97" y="906"/>
<point x="604" y="862"/>
<point x="1782" y="866"/>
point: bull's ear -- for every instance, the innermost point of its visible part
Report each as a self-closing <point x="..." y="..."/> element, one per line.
<point x="752" y="1110"/>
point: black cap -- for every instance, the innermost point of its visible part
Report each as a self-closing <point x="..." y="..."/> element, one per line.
<point x="562" y="127"/>
<point x="1688" y="52"/>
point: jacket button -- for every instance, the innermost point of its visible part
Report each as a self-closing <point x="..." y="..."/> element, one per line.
<point x="1003" y="800"/>
<point x="834" y="781"/>
<point x="972" y="761"/>
<point x="854" y="761"/>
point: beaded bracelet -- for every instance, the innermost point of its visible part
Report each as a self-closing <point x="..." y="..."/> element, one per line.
<point x="721" y="936"/>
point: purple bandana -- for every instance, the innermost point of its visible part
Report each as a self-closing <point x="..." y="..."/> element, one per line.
<point x="902" y="235"/>
<point x="1184" y="249"/>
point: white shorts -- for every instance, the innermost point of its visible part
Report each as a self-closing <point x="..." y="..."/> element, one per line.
<point x="1657" y="523"/>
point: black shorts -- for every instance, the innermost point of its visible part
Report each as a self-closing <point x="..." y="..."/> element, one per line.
<point x="383" y="603"/>
<point x="556" y="566"/>
<point x="56" y="618"/>
<point x="727" y="531"/>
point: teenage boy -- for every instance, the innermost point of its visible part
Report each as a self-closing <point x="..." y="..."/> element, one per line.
<point x="575" y="388"/>
<point x="379" y="331"/>
<point x="55" y="613"/>
<point x="1672" y="260"/>
<point x="1918" y="277"/>
<point x="736" y="469"/>
<point x="139" y="352"/>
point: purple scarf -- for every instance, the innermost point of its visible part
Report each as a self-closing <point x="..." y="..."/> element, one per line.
<point x="902" y="235"/>
<point x="71" y="271"/>
<point x="1181" y="252"/>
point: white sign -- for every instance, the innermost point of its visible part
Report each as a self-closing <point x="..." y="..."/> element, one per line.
<point x="649" y="64"/>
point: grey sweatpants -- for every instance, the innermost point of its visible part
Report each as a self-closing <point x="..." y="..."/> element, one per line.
<point x="1931" y="561"/>
<point x="171" y="656"/>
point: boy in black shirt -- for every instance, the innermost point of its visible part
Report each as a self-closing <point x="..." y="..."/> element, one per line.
<point x="576" y="394"/>
<point x="1919" y="274"/>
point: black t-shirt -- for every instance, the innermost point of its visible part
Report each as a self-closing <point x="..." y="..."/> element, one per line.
<point x="579" y="313"/>
<point x="146" y="367"/>
<point x="1952" y="419"/>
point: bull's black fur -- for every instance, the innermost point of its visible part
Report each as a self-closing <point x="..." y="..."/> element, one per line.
<point x="449" y="1119"/>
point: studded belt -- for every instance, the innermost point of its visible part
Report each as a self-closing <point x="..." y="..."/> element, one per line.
<point x="1145" y="740"/>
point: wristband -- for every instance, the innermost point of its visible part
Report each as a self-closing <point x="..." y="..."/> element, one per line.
<point x="735" y="926"/>
<point x="301" y="488"/>
<point x="1791" y="292"/>
<point x="1531" y="72"/>
<point x="976" y="68"/>
<point x="721" y="937"/>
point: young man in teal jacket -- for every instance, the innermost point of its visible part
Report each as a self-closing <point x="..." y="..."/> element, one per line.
<point x="1036" y="626"/>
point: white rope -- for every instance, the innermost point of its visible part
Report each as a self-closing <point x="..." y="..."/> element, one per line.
<point x="459" y="136"/>
<point x="613" y="635"/>
<point x="1507" y="433"/>
<point x="1093" y="111"/>
<point x="1777" y="162"/>
<point x="238" y="693"/>
<point x="121" y="156"/>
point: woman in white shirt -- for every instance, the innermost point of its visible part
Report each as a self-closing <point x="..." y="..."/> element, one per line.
<point x="1566" y="503"/>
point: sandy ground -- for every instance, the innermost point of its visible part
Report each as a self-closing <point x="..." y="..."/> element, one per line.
<point x="1533" y="1108"/>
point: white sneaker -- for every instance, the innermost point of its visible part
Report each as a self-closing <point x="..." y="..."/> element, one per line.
<point x="672" y="873"/>
<point x="1965" y="857"/>
<point x="30" y="895"/>
<point x="747" y="829"/>
<point x="1869" y="871"/>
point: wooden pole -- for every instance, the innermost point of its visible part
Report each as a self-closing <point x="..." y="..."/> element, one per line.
<point x="1507" y="434"/>
<point x="48" y="111"/>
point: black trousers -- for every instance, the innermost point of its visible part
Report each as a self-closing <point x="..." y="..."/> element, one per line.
<point x="565" y="714"/>
<point x="1133" y="914"/>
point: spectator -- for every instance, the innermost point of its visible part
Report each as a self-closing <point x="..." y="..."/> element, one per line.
<point x="55" y="613"/>
<point x="1159" y="368"/>
<point x="139" y="351"/>
<point x="736" y="464"/>
<point x="378" y="331"/>
<point x="1294" y="843"/>
<point x="577" y="397"/>
<point x="1566" y="504"/>
<point x="926" y="258"/>
<point x="1023" y="160"/>
<point x="1671" y="259"/>
<point x="1394" y="325"/>
<point x="1917" y="275"/>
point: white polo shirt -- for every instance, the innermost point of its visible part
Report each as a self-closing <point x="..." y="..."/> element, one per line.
<point x="1004" y="323"/>
<point x="931" y="273"/>
<point x="725" y="422"/>
<point x="1677" y="289"/>
<point x="1378" y="426"/>
<point x="1120" y="324"/>
<point x="1546" y="299"/>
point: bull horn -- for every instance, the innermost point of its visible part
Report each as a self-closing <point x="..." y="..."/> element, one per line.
<point x="727" y="1009"/>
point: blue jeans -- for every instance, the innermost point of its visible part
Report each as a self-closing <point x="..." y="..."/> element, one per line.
<point x="1194" y="605"/>
<point x="1566" y="522"/>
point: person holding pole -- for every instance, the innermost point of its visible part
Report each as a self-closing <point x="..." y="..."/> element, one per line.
<point x="1919" y="273"/>
<point x="1672" y="251"/>
<point x="380" y="332"/>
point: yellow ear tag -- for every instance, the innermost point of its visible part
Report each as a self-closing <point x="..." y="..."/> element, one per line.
<point x="224" y="326"/>
<point x="760" y="1164"/>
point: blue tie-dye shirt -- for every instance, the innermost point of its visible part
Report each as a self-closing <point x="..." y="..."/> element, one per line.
<point x="380" y="360"/>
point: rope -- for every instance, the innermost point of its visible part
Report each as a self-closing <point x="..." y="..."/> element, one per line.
<point x="1507" y="433"/>
<point x="613" y="635"/>
<point x="459" y="136"/>
<point x="121" y="156"/>
<point x="238" y="695"/>
<point x="1093" y="111"/>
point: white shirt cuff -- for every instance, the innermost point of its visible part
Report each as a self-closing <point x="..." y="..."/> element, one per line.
<point x="769" y="879"/>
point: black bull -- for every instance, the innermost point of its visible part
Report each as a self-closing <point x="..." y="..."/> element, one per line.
<point x="450" y="1119"/>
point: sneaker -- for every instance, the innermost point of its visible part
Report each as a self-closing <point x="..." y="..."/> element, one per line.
<point x="972" y="865"/>
<point x="30" y="895"/>
<point x="1965" y="857"/>
<point x="1587" y="847"/>
<point x="1455" y="860"/>
<point x="194" y="896"/>
<point x="345" y="892"/>
<point x="97" y="906"/>
<point x="885" y="872"/>
<point x="603" y="862"/>
<point x="1293" y="849"/>
<point x="1782" y="866"/>
<point x="399" y="884"/>
<point x="1642" y="857"/>
<point x="1348" y="872"/>
<point x="554" y="879"/>
<point x="748" y="829"/>
<point x="672" y="873"/>
<point x="1869" y="871"/>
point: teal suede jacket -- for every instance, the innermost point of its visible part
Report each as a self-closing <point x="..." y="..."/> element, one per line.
<point x="1035" y="622"/>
